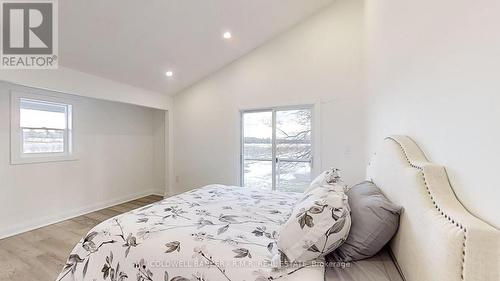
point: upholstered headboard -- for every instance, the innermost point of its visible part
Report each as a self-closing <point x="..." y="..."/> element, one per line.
<point x="438" y="239"/>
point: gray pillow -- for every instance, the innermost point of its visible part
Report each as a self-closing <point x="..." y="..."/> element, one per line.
<point x="374" y="221"/>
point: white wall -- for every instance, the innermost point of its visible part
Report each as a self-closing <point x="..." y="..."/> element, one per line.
<point x="433" y="69"/>
<point x="118" y="160"/>
<point x="320" y="61"/>
<point x="71" y="81"/>
<point x="160" y="140"/>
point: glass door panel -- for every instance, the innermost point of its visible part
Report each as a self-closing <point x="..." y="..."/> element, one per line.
<point x="293" y="149"/>
<point x="258" y="149"/>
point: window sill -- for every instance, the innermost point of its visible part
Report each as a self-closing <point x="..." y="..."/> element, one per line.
<point x="43" y="159"/>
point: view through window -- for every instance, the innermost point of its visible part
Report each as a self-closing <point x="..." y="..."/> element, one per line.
<point x="44" y="126"/>
<point x="277" y="149"/>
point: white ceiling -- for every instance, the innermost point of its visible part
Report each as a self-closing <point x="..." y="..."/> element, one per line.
<point x="136" y="42"/>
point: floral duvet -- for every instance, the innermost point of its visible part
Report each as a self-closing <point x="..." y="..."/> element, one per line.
<point x="212" y="233"/>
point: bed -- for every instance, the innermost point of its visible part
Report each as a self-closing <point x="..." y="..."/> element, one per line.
<point x="381" y="267"/>
<point x="229" y="233"/>
<point x="213" y="233"/>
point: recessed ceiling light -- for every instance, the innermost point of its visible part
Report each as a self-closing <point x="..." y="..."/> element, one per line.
<point x="227" y="35"/>
<point x="169" y="73"/>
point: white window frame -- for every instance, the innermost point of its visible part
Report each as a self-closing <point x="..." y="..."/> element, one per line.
<point x="314" y="138"/>
<point x="17" y="156"/>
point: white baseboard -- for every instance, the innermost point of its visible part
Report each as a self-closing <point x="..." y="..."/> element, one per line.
<point x="159" y="192"/>
<point x="48" y="220"/>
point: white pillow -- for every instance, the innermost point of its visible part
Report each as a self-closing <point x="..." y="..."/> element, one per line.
<point x="329" y="177"/>
<point x="319" y="224"/>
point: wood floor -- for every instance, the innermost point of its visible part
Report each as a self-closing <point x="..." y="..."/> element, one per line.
<point x="40" y="255"/>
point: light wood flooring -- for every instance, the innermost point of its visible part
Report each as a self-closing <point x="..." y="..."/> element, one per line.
<point x="39" y="255"/>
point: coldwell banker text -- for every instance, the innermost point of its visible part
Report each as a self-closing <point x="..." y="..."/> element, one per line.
<point x="29" y="35"/>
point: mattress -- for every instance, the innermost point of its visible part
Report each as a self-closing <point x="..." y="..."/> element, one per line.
<point x="212" y="233"/>
<point x="378" y="268"/>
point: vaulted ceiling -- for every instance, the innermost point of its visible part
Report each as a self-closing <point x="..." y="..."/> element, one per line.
<point x="136" y="42"/>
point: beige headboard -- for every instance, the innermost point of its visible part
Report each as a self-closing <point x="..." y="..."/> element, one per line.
<point x="438" y="239"/>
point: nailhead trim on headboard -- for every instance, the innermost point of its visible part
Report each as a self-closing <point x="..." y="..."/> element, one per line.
<point x="436" y="206"/>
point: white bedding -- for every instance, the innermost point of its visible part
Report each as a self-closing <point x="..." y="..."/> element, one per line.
<point x="377" y="268"/>
<point x="213" y="233"/>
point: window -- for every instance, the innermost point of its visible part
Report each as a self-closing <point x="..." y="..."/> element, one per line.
<point x="277" y="149"/>
<point x="41" y="129"/>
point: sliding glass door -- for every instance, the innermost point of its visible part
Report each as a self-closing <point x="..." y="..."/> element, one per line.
<point x="276" y="151"/>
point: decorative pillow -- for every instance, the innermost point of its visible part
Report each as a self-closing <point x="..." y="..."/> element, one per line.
<point x="374" y="221"/>
<point x="319" y="224"/>
<point x="329" y="177"/>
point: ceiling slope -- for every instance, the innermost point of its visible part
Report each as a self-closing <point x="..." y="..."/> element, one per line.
<point x="136" y="42"/>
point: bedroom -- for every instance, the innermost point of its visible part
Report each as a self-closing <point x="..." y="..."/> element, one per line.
<point x="147" y="101"/>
